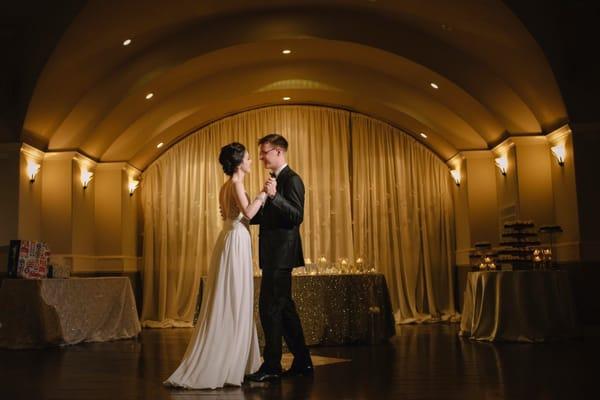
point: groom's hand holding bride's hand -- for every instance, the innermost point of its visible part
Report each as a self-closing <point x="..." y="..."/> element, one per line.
<point x="270" y="187"/>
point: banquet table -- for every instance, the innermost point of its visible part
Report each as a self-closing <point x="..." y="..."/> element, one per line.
<point x="521" y="306"/>
<point x="339" y="308"/>
<point x="36" y="313"/>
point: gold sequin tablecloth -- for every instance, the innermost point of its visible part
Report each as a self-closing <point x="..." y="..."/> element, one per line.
<point x="35" y="313"/>
<point x="521" y="306"/>
<point x="339" y="309"/>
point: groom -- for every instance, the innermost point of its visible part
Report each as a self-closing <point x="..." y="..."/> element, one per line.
<point x="280" y="250"/>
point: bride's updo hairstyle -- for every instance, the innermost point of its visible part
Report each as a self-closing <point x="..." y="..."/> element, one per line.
<point x="231" y="157"/>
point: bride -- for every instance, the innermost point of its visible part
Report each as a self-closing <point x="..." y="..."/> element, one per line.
<point x="224" y="345"/>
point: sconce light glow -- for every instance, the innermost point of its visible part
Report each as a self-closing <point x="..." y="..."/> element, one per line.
<point x="434" y="85"/>
<point x="32" y="170"/>
<point x="86" y="177"/>
<point x="158" y="146"/>
<point x="149" y="96"/>
<point x="287" y="98"/>
<point x="558" y="152"/>
<point x="424" y="136"/>
<point x="286" y="51"/>
<point x="133" y="185"/>
<point x="502" y="164"/>
<point x="456" y="176"/>
<point x="126" y="42"/>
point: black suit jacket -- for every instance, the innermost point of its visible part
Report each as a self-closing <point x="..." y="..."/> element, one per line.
<point x="279" y="243"/>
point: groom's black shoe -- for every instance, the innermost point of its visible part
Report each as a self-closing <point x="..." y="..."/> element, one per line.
<point x="299" y="370"/>
<point x="264" y="376"/>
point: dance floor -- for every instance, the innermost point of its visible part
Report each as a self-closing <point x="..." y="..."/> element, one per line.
<point x="420" y="362"/>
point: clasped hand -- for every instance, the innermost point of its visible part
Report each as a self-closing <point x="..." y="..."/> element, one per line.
<point x="270" y="187"/>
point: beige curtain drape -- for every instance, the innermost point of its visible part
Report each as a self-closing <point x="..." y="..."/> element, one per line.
<point x="181" y="210"/>
<point x="398" y="194"/>
<point x="402" y="206"/>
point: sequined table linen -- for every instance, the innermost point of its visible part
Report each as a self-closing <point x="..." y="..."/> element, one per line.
<point x="339" y="309"/>
<point x="36" y="313"/>
<point x="522" y="306"/>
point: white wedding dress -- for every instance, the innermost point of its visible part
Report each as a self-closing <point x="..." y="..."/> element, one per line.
<point x="224" y="345"/>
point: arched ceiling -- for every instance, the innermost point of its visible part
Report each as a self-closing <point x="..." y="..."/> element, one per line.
<point x="204" y="60"/>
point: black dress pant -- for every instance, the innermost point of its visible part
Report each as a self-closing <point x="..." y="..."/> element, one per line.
<point x="279" y="318"/>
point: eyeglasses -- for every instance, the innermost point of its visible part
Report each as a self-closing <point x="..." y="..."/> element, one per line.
<point x="264" y="153"/>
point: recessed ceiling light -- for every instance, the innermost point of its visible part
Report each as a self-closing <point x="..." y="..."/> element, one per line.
<point x="158" y="146"/>
<point x="424" y="136"/>
<point x="286" y="51"/>
<point x="149" y="96"/>
<point x="127" y="42"/>
<point x="287" y="98"/>
<point x="434" y="85"/>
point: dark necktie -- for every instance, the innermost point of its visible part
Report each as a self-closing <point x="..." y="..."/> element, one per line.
<point x="273" y="175"/>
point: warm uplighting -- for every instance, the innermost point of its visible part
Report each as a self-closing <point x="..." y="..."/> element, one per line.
<point x="456" y="176"/>
<point x="32" y="170"/>
<point x="161" y="144"/>
<point x="86" y="177"/>
<point x="149" y="96"/>
<point x="434" y="85"/>
<point x="286" y="51"/>
<point x="133" y="185"/>
<point x="502" y="164"/>
<point x="558" y="152"/>
<point x="424" y="136"/>
<point x="287" y="98"/>
<point x="127" y="42"/>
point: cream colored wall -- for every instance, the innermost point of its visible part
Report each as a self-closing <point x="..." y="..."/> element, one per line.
<point x="129" y="225"/>
<point x="93" y="229"/>
<point x="108" y="209"/>
<point x="30" y="196"/>
<point x="116" y="219"/>
<point x="565" y="197"/>
<point x="534" y="177"/>
<point x="83" y="247"/>
<point x="482" y="197"/>
<point x="507" y="185"/>
<point x="57" y="202"/>
<point x="461" y="213"/>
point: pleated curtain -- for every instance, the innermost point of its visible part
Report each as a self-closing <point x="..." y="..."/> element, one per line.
<point x="371" y="191"/>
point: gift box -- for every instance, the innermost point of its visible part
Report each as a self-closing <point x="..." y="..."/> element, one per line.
<point x="28" y="259"/>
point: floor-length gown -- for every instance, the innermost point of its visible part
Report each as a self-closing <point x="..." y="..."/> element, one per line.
<point x="224" y="345"/>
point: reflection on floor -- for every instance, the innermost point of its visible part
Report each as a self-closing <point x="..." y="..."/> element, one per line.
<point x="286" y="360"/>
<point x="420" y="362"/>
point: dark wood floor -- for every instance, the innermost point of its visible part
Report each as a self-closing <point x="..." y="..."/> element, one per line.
<point x="420" y="362"/>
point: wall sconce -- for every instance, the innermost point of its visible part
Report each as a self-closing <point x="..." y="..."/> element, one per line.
<point x="558" y="152"/>
<point x="32" y="170"/>
<point x="86" y="177"/>
<point x="133" y="185"/>
<point x="456" y="176"/>
<point x="502" y="164"/>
